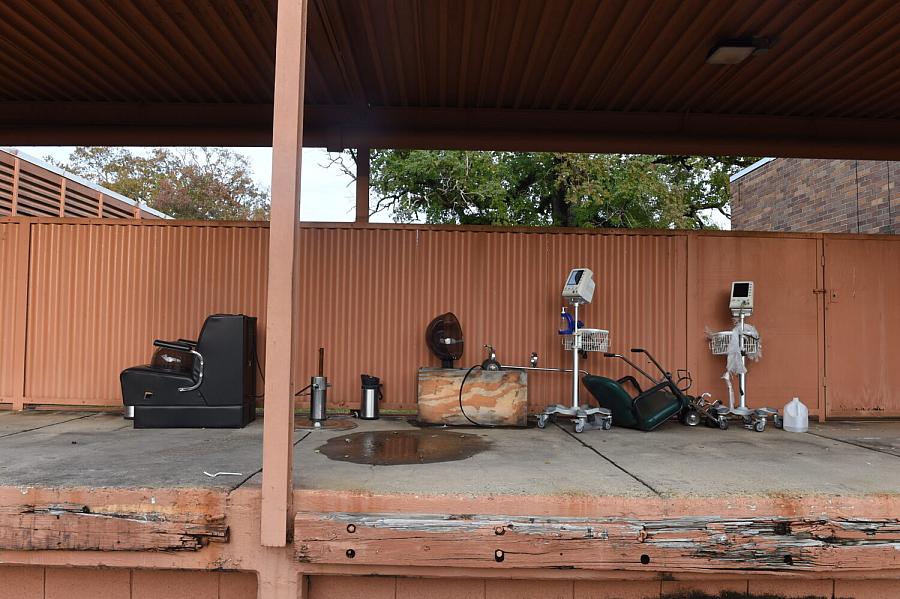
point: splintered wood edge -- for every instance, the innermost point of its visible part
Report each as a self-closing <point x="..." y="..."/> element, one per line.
<point x="683" y="544"/>
<point x="33" y="519"/>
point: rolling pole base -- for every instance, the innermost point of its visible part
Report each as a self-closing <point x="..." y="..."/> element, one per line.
<point x="597" y="418"/>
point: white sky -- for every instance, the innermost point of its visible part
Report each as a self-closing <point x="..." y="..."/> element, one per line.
<point x="326" y="194"/>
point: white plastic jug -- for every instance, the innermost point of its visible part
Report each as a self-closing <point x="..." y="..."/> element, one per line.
<point x="796" y="416"/>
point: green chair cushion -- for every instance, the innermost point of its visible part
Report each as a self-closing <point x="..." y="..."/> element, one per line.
<point x="646" y="413"/>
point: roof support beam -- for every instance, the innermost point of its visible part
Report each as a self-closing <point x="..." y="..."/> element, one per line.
<point x="583" y="131"/>
<point x="287" y="144"/>
<point x="498" y="129"/>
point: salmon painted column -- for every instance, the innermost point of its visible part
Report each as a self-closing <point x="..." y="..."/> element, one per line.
<point x="287" y="142"/>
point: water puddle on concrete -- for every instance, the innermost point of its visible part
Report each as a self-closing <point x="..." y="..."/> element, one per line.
<point x="394" y="448"/>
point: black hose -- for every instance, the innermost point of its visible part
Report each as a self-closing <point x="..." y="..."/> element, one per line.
<point x="463" y="383"/>
<point x="461" y="409"/>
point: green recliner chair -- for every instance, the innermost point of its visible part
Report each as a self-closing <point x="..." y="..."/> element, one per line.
<point x="644" y="411"/>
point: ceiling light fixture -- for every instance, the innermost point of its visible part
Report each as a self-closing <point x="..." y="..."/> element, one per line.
<point x="736" y="51"/>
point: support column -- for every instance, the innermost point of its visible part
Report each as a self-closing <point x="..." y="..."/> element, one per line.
<point x="362" y="185"/>
<point x="287" y="143"/>
<point x="278" y="578"/>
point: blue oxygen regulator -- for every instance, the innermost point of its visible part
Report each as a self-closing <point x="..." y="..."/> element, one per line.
<point x="567" y="322"/>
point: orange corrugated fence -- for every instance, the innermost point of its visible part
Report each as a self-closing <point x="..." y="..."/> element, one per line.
<point x="81" y="300"/>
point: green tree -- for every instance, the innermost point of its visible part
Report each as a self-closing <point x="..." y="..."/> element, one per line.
<point x="554" y="189"/>
<point x="195" y="183"/>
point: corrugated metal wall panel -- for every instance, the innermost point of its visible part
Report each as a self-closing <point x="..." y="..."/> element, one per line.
<point x="354" y="301"/>
<point x="13" y="279"/>
<point x="639" y="297"/>
<point x="376" y="290"/>
<point x="784" y="272"/>
<point x="101" y="293"/>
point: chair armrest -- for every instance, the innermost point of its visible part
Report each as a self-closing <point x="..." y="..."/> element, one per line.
<point x="632" y="380"/>
<point x="177" y="345"/>
<point x="182" y="345"/>
<point x="188" y="342"/>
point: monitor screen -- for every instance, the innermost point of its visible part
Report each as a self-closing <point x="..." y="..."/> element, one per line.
<point x="740" y="290"/>
<point x="575" y="277"/>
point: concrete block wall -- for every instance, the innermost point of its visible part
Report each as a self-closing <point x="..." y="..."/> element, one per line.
<point x="38" y="582"/>
<point x="339" y="587"/>
<point x="823" y="196"/>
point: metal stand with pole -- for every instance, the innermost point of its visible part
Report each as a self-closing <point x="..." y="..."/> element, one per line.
<point x="741" y="305"/>
<point x="580" y="340"/>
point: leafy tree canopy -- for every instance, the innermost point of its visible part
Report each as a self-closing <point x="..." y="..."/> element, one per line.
<point x="196" y="183"/>
<point x="542" y="188"/>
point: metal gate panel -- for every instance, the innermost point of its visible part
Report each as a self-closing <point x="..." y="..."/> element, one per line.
<point x="862" y="326"/>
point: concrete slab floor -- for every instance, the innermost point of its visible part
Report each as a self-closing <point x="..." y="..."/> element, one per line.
<point x="16" y="423"/>
<point x="518" y="461"/>
<point x="103" y="450"/>
<point x="72" y="449"/>
<point x="702" y="461"/>
<point x="878" y="435"/>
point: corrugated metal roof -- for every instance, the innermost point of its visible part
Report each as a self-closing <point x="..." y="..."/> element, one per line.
<point x="629" y="56"/>
<point x="208" y="65"/>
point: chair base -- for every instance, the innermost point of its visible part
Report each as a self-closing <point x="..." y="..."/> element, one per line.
<point x="192" y="416"/>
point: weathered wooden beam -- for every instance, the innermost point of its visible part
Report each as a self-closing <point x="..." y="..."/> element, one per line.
<point x="78" y="527"/>
<point x="688" y="544"/>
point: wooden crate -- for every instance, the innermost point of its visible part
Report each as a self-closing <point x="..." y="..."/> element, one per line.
<point x="492" y="398"/>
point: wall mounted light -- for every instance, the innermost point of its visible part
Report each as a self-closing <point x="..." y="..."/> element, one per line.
<point x="735" y="51"/>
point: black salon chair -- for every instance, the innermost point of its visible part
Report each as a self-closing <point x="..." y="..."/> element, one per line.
<point x="207" y="383"/>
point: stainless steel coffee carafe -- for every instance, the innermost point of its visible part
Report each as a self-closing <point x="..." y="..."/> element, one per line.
<point x="370" y="397"/>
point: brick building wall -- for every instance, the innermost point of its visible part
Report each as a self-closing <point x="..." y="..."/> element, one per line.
<point x="832" y="196"/>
